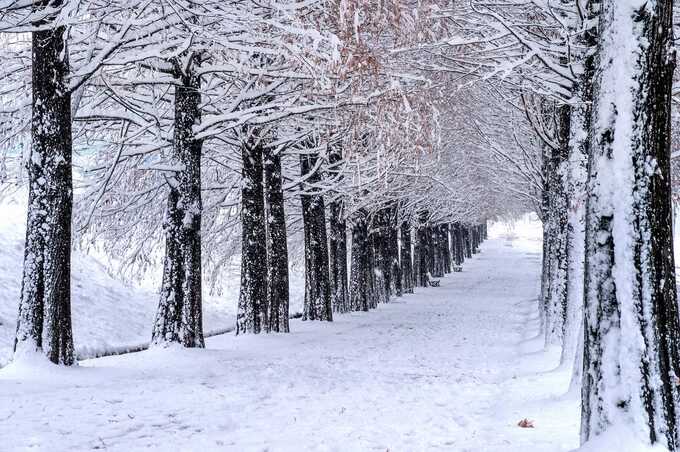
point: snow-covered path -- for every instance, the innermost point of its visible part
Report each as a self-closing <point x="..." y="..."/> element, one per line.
<point x="450" y="368"/>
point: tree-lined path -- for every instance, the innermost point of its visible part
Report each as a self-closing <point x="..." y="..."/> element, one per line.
<point x="448" y="368"/>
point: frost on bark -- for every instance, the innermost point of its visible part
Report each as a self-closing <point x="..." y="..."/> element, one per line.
<point x="406" y="258"/>
<point x="631" y="310"/>
<point x="277" y="298"/>
<point x="44" y="320"/>
<point x="318" y="305"/>
<point x="338" y="245"/>
<point x="360" y="290"/>
<point x="556" y="222"/>
<point x="179" y="315"/>
<point x="572" y="348"/>
<point x="252" y="302"/>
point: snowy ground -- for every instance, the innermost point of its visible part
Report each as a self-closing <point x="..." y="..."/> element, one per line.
<point x="452" y="368"/>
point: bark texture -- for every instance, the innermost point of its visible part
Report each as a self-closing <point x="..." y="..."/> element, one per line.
<point x="179" y="315"/>
<point x="44" y="320"/>
<point x="631" y="361"/>
<point x="318" y="305"/>
<point x="278" y="295"/>
<point x="252" y="302"/>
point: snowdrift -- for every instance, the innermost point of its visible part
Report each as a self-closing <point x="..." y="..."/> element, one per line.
<point x="109" y="316"/>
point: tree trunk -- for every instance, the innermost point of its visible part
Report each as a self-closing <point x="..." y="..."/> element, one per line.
<point x="458" y="245"/>
<point x="423" y="238"/>
<point x="338" y="245"/>
<point x="631" y="362"/>
<point x="383" y="259"/>
<point x="375" y="284"/>
<point x="395" y="268"/>
<point x="252" y="302"/>
<point x="318" y="305"/>
<point x="360" y="291"/>
<point x="431" y="251"/>
<point x="44" y="320"/>
<point x="406" y="260"/>
<point x="179" y="315"/>
<point x="416" y="259"/>
<point x="475" y="239"/>
<point x="572" y="350"/>
<point x="468" y="241"/>
<point x="436" y="268"/>
<point x="446" y="247"/>
<point x="277" y="245"/>
<point x="557" y="220"/>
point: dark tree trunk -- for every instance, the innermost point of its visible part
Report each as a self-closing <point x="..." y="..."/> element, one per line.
<point x="375" y="284"/>
<point x="416" y="259"/>
<point x="475" y="239"/>
<point x="338" y="246"/>
<point x="423" y="240"/>
<point x="468" y="242"/>
<point x="360" y="289"/>
<point x="179" y="315"/>
<point x="383" y="254"/>
<point x="436" y="266"/>
<point x="458" y="246"/>
<point x="44" y="320"/>
<point x="461" y="243"/>
<point x="395" y="268"/>
<point x="318" y="305"/>
<point x="632" y="335"/>
<point x="252" y="302"/>
<point x="446" y="247"/>
<point x="277" y="244"/>
<point x="406" y="259"/>
<point x="431" y="250"/>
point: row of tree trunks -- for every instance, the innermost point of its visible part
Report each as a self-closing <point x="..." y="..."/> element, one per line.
<point x="608" y="289"/>
<point x="264" y="296"/>
<point x="439" y="247"/>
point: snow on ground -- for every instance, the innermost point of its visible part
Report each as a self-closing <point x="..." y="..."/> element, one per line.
<point x="452" y="368"/>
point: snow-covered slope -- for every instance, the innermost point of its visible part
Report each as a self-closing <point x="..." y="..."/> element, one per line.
<point x="107" y="313"/>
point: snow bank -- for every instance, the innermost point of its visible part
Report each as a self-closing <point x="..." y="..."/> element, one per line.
<point x="108" y="314"/>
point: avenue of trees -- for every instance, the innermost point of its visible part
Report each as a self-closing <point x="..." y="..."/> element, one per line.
<point x="370" y="140"/>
